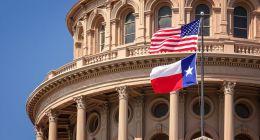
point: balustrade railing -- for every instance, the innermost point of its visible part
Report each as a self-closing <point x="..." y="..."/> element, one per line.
<point x="100" y="57"/>
<point x="211" y="46"/>
<point x="66" y="68"/>
<point x="248" y="49"/>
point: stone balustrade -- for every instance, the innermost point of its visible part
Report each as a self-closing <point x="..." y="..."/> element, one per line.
<point x="210" y="46"/>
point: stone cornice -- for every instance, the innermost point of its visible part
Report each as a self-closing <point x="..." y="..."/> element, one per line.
<point x="141" y="62"/>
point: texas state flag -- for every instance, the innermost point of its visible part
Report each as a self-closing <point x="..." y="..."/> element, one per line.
<point x="175" y="76"/>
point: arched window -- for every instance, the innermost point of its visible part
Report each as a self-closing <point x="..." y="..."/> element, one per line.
<point x="164" y="17"/>
<point x="242" y="137"/>
<point x="240" y="22"/>
<point x="204" y="8"/>
<point x="130" y="28"/>
<point x="102" y="37"/>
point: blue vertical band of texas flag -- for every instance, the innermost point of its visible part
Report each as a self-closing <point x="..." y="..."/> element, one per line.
<point x="189" y="72"/>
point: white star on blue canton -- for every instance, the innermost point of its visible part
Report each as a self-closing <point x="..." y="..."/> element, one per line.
<point x="189" y="71"/>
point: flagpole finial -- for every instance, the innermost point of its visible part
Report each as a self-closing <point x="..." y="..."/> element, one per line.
<point x="202" y="13"/>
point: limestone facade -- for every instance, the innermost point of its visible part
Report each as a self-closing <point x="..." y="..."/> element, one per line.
<point x="105" y="92"/>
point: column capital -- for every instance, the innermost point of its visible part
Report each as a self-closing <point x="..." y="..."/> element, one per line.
<point x="81" y="102"/>
<point x="38" y="131"/>
<point x="53" y="115"/>
<point x="122" y="93"/>
<point x="228" y="87"/>
<point x="174" y="92"/>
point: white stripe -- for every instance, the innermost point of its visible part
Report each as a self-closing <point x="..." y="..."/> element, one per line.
<point x="167" y="33"/>
<point x="174" y="48"/>
<point x="172" y="43"/>
<point x="166" y="70"/>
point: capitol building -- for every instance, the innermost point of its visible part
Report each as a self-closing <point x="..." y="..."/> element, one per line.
<point x="105" y="93"/>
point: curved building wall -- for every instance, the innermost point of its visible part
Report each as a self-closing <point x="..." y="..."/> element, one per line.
<point x="105" y="92"/>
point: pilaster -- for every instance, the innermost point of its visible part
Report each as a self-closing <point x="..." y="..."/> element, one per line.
<point x="139" y="117"/>
<point x="105" y="122"/>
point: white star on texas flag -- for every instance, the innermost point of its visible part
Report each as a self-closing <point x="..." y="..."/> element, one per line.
<point x="189" y="71"/>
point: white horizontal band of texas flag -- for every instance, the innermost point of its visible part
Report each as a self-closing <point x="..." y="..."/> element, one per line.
<point x="176" y="39"/>
<point x="175" y="76"/>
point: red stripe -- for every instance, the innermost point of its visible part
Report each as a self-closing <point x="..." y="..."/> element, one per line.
<point x="162" y="35"/>
<point x="174" y="39"/>
<point x="179" y="50"/>
<point x="171" y="45"/>
<point x="167" y="84"/>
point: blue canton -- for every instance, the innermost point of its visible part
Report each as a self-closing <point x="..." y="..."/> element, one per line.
<point x="190" y="29"/>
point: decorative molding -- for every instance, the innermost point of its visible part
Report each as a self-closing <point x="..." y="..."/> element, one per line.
<point x="81" y="102"/>
<point x="122" y="93"/>
<point x="229" y="87"/>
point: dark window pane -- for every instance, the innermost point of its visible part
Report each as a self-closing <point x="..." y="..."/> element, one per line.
<point x="160" y="136"/>
<point x="130" y="18"/>
<point x="160" y="110"/>
<point x="165" y="22"/>
<point x="240" y="22"/>
<point x="102" y="37"/>
<point x="93" y="124"/>
<point x="240" y="11"/>
<point x="129" y="38"/>
<point x="242" y="137"/>
<point x="130" y="28"/>
<point x="206" y="20"/>
<point x="242" y="111"/>
<point x="165" y="11"/>
<point x="202" y="8"/>
<point x="196" y="108"/>
<point x="164" y="17"/>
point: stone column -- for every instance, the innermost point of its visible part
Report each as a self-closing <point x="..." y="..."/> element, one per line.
<point x="81" y="118"/>
<point x="123" y="113"/>
<point x="52" y="124"/>
<point x="39" y="133"/>
<point x="228" y="110"/>
<point x="174" y="105"/>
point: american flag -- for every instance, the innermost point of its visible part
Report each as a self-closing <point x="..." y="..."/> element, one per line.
<point x="178" y="39"/>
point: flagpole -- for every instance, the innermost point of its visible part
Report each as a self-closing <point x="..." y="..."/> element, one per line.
<point x="202" y="76"/>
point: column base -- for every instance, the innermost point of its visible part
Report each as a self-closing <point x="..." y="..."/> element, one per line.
<point x="203" y="138"/>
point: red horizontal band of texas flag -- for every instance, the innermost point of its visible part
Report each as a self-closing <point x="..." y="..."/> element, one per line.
<point x="175" y="76"/>
<point x="177" y="39"/>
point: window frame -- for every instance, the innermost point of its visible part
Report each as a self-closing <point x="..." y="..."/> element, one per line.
<point x="100" y="33"/>
<point x="209" y="14"/>
<point x="125" y="24"/>
<point x="158" y="17"/>
<point x="247" y="21"/>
